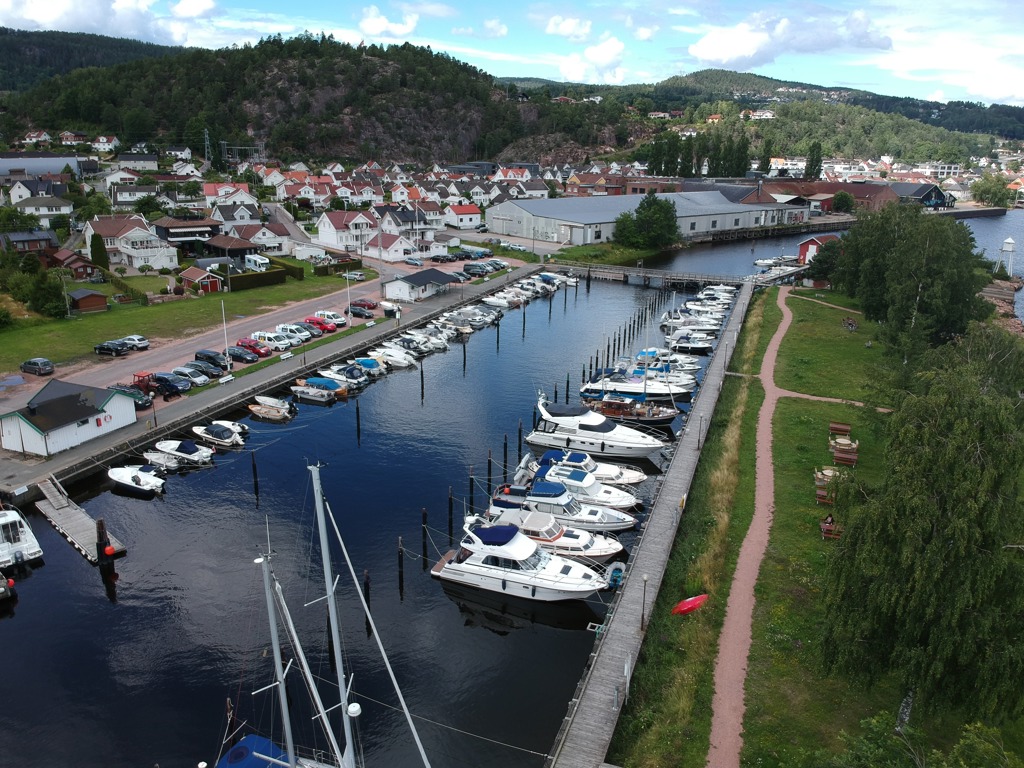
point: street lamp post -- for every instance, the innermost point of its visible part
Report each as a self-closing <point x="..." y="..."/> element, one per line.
<point x="643" y="606"/>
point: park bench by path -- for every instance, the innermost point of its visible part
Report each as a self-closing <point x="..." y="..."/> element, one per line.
<point x="846" y="458"/>
<point x="838" y="428"/>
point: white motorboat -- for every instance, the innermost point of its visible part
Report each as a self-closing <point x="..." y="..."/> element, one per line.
<point x="137" y="479"/>
<point x="274" y="402"/>
<point x="351" y="375"/>
<point x="712" y="312"/>
<point x="693" y="346"/>
<point x="162" y="460"/>
<point x="722" y="288"/>
<point x="656" y="357"/>
<point x="393" y="357"/>
<point x="500" y="558"/>
<point x="578" y="428"/>
<point x="218" y="434"/>
<point x="235" y="426"/>
<point x="688" y="334"/>
<point x="583" y="485"/>
<point x="677" y="318"/>
<point x="313" y="394"/>
<point x="774" y="261"/>
<point x="652" y="388"/>
<point x="372" y="367"/>
<point x="18" y="544"/>
<point x="336" y="388"/>
<point x="615" y="474"/>
<point x="186" y="450"/>
<point x="543" y="528"/>
<point x="555" y="499"/>
<point x="434" y="343"/>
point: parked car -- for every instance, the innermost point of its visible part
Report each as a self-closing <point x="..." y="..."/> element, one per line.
<point x="324" y="325"/>
<point x="112" y="348"/>
<point x="209" y="370"/>
<point x="365" y="303"/>
<point x="311" y="329"/>
<point x="293" y="339"/>
<point x="97" y="277"/>
<point x="136" y="342"/>
<point x="256" y="347"/>
<point x="412" y="261"/>
<point x="272" y="339"/>
<point x="461" y="277"/>
<point x="134" y="391"/>
<point x="295" y="330"/>
<point x="330" y="316"/>
<point x="475" y="269"/>
<point x="354" y="276"/>
<point x="167" y="383"/>
<point x="242" y="355"/>
<point x="196" y="378"/>
<point x="40" y="366"/>
<point x="518" y="247"/>
<point x="357" y="311"/>
<point x="481" y="228"/>
<point x="496" y="264"/>
<point x="213" y="357"/>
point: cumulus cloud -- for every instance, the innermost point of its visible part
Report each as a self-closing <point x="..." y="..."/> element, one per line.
<point x="575" y="30"/>
<point x="599" y="63"/>
<point x="131" y="18"/>
<point x="763" y="37"/>
<point x="375" y="24"/>
<point x="491" y="28"/>
<point x="436" y="10"/>
<point x="192" y="9"/>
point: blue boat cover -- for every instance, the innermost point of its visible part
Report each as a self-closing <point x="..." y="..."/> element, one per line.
<point x="547" y="489"/>
<point x="219" y="431"/>
<point x="576" y="457"/>
<point x="187" y="446"/>
<point x="555" y="456"/>
<point x="243" y="754"/>
<point x="555" y="409"/>
<point x="496" y="535"/>
<point x="322" y="383"/>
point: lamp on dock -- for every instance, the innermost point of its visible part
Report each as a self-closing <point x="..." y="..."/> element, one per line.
<point x="1007" y="251"/>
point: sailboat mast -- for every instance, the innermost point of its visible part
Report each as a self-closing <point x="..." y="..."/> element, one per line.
<point x="348" y="758"/>
<point x="282" y="695"/>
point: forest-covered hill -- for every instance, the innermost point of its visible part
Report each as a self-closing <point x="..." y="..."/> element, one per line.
<point x="29" y="58"/>
<point x="312" y="97"/>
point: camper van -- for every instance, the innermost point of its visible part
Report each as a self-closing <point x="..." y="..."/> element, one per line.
<point x="272" y="339"/>
<point x="256" y="263"/>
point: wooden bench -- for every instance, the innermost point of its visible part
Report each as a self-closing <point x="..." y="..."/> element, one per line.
<point x="828" y="531"/>
<point x="846" y="458"/>
<point x="838" y="428"/>
<point x="822" y="496"/>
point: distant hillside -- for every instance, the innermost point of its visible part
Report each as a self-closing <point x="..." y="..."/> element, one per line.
<point x="29" y="58"/>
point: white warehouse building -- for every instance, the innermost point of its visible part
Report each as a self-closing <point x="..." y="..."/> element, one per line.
<point x="585" y="220"/>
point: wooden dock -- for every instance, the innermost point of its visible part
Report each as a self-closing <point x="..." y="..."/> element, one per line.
<point x="586" y="732"/>
<point x="72" y="522"/>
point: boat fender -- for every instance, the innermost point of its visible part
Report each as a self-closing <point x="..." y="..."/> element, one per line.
<point x="502" y="585"/>
<point x="647" y="279"/>
<point x="602" y="446"/>
<point x="533" y="591"/>
<point x="107" y="417"/>
<point x="616" y="572"/>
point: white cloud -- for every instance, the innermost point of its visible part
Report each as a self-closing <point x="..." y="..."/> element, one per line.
<point x="375" y="24"/>
<point x="191" y="9"/>
<point x="435" y="10"/>
<point x="575" y="30"/>
<point x="644" y="33"/>
<point x="600" y="63"/>
<point x="130" y="18"/>
<point x="495" y="28"/>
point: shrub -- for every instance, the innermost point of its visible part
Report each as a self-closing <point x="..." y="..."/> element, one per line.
<point x="165" y="270"/>
<point x="179" y="290"/>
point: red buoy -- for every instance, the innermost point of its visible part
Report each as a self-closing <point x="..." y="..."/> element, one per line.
<point x="108" y="550"/>
<point x="690" y="604"/>
<point x="10" y="583"/>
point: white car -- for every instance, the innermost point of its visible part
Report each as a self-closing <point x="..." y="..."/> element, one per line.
<point x="292" y="339"/>
<point x="517" y="247"/>
<point x="295" y="330"/>
<point x="272" y="339"/>
<point x="136" y="342"/>
<point x="198" y="379"/>
<point x="331" y="317"/>
<point x="355" y="276"/>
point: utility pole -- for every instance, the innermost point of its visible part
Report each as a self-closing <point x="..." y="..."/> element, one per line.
<point x="206" y="144"/>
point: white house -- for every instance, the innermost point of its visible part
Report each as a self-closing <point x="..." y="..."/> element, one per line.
<point x="36" y="137"/>
<point x="181" y="153"/>
<point x="46" y="208"/>
<point x="386" y="247"/>
<point x="345" y="230"/>
<point x="105" y="144"/>
<point x="462" y="216"/>
<point x="63" y="415"/>
<point x="129" y="240"/>
<point x="417" y="285"/>
<point x="271" y="238"/>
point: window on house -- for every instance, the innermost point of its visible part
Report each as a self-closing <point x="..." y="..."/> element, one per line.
<point x="714" y="223"/>
<point x="735" y="222"/>
<point x="693" y="226"/>
<point x="597" y="234"/>
<point x="757" y="219"/>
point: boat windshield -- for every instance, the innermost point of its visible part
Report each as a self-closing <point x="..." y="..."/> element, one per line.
<point x="10" y="533"/>
<point x="536" y="561"/>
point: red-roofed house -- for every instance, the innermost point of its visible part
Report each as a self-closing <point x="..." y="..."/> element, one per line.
<point x="271" y="238"/>
<point x="388" y="247"/>
<point x="81" y="268"/>
<point x="226" y="193"/>
<point x="105" y="144"/>
<point x="36" y="138"/>
<point x="207" y="281"/>
<point x="462" y="216"/>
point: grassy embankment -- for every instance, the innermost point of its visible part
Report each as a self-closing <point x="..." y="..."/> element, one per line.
<point x="793" y="710"/>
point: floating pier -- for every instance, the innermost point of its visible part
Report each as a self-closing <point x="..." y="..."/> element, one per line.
<point x="88" y="536"/>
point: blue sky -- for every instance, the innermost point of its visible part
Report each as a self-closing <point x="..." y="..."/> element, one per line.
<point x="943" y="51"/>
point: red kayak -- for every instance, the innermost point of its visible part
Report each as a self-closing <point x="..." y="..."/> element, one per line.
<point x="690" y="604"/>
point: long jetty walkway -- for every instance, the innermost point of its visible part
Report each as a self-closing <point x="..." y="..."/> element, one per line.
<point x="586" y="732"/>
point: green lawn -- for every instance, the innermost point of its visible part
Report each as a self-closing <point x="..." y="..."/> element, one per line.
<point x="65" y="341"/>
<point x="820" y="357"/>
<point x="829" y="296"/>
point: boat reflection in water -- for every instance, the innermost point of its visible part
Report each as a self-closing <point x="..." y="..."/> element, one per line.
<point x="502" y="614"/>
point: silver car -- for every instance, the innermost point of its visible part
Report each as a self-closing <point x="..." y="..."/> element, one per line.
<point x="196" y="378"/>
<point x="135" y="342"/>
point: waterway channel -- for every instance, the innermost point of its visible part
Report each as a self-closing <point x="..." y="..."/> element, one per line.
<point x="136" y="673"/>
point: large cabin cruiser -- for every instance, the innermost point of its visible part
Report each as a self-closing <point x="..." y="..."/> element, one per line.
<point x="578" y="428"/>
<point x="615" y="474"/>
<point x="554" y="499"/>
<point x="558" y="539"/>
<point x="500" y="558"/>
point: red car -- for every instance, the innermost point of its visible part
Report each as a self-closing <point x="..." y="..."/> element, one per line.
<point x="365" y="303"/>
<point x="256" y="347"/>
<point x="324" y="325"/>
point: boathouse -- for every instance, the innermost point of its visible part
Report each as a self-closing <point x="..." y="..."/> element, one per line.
<point x="63" y="415"/>
<point x="418" y="285"/>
